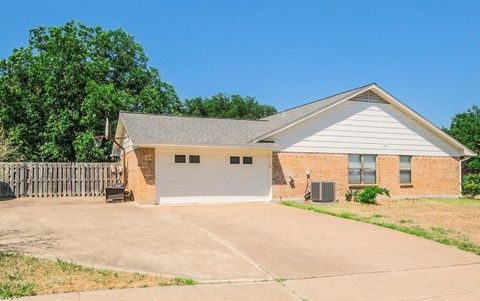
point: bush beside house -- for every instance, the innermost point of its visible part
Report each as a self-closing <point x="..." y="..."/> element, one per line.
<point x="368" y="195"/>
<point x="471" y="185"/>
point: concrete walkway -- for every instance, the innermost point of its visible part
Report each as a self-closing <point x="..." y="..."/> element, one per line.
<point x="240" y="252"/>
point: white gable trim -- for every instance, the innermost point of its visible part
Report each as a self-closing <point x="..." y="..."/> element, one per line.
<point x="120" y="130"/>
<point x="392" y="101"/>
<point x="422" y="120"/>
<point x="121" y="137"/>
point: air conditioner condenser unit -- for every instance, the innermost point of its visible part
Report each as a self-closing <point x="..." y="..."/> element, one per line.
<point x="323" y="191"/>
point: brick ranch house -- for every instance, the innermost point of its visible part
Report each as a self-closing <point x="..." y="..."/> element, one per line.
<point x="360" y="137"/>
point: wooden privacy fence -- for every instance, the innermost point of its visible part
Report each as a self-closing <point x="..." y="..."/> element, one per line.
<point x="55" y="179"/>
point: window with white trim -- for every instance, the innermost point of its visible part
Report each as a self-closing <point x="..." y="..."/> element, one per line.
<point x="362" y="169"/>
<point x="405" y="169"/>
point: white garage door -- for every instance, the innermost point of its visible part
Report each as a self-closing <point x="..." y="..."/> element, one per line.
<point x="213" y="179"/>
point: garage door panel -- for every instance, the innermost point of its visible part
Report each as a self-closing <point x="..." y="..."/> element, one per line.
<point x="213" y="177"/>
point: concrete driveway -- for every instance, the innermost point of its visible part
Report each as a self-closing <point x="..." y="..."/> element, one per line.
<point x="268" y="251"/>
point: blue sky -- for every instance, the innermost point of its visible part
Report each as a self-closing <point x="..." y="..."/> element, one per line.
<point x="285" y="53"/>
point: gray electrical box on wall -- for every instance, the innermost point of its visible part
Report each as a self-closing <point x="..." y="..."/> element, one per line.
<point x="323" y="191"/>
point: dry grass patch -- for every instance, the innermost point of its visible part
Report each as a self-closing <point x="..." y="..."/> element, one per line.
<point x="22" y="275"/>
<point x="460" y="217"/>
<point x="449" y="221"/>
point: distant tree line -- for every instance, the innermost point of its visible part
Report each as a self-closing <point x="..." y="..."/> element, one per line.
<point x="56" y="92"/>
<point x="465" y="127"/>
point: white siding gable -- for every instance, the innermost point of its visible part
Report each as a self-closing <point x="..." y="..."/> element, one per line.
<point x="127" y="144"/>
<point x="362" y="127"/>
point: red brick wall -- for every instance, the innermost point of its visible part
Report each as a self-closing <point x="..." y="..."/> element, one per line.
<point x="431" y="176"/>
<point x="139" y="174"/>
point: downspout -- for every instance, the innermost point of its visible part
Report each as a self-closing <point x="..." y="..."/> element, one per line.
<point x="460" y="171"/>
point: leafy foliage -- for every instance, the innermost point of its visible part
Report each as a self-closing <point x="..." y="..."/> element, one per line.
<point x="465" y="127"/>
<point x="56" y="92"/>
<point x="7" y="149"/>
<point x="367" y="195"/>
<point x="471" y="185"/>
<point x="225" y="106"/>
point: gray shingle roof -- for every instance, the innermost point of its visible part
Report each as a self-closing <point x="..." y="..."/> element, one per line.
<point x="151" y="128"/>
<point x="154" y="128"/>
<point x="289" y="116"/>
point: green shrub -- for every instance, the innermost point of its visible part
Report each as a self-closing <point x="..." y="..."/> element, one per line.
<point x="475" y="178"/>
<point x="471" y="185"/>
<point x="369" y="194"/>
<point x="351" y="195"/>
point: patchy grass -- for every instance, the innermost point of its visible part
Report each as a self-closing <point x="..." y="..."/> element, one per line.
<point x="437" y="233"/>
<point x="22" y="275"/>
<point x="459" y="216"/>
<point x="455" y="201"/>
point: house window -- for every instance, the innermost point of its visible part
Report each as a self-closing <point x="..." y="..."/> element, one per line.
<point x="405" y="169"/>
<point x="234" y="160"/>
<point x="180" y="159"/>
<point x="193" y="159"/>
<point x="247" y="160"/>
<point x="362" y="169"/>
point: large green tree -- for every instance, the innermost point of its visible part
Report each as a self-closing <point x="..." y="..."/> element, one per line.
<point x="7" y="149"/>
<point x="465" y="127"/>
<point x="225" y="106"/>
<point x="56" y="92"/>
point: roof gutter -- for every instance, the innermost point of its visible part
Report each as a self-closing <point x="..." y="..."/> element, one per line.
<point x="264" y="146"/>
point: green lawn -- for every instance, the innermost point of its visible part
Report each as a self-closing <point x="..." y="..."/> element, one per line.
<point x="452" y="222"/>
<point x="22" y="275"/>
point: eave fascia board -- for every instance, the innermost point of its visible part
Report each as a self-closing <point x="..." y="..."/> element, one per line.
<point x="119" y="132"/>
<point x="262" y="146"/>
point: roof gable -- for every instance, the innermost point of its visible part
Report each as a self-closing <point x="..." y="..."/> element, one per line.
<point x="369" y="93"/>
<point x="290" y="117"/>
<point x="359" y="127"/>
<point x="163" y="129"/>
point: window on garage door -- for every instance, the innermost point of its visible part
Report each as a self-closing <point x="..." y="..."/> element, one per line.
<point x="180" y="159"/>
